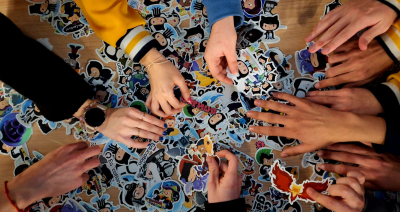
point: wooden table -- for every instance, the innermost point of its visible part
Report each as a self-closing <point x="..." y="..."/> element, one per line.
<point x="299" y="15"/>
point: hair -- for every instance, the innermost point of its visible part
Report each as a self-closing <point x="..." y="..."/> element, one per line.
<point x="265" y="156"/>
<point x="200" y="142"/>
<point x="172" y="186"/>
<point x="202" y="47"/>
<point x="19" y="169"/>
<point x="257" y="8"/>
<point x="214" y="127"/>
<point x="269" y="20"/>
<point x="270" y="64"/>
<point x="136" y="65"/>
<point x="107" y="173"/>
<point x="194" y="31"/>
<point x="102" y="204"/>
<point x="130" y="198"/>
<point x="129" y="68"/>
<point x="102" y="88"/>
<point x="255" y="92"/>
<point x="114" y="149"/>
<point x="263" y="58"/>
<point x="105" y="74"/>
<point x="156" y="13"/>
<point x="121" y="78"/>
<point x="149" y="2"/>
<point x="35" y="8"/>
<point x="186" y="170"/>
<point x="122" y="90"/>
<point x="240" y="73"/>
<point x="167" y="35"/>
<point x="321" y="61"/>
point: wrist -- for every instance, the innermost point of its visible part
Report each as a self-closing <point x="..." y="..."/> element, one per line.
<point x="370" y="129"/>
<point x="150" y="57"/>
<point x="21" y="194"/>
<point x="223" y="24"/>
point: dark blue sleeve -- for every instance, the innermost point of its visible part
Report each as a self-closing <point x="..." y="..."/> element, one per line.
<point x="219" y="9"/>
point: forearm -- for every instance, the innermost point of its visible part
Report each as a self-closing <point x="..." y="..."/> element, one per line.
<point x="365" y="128"/>
<point x="19" y="196"/>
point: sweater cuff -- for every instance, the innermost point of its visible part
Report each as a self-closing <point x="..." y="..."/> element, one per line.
<point x="388" y="45"/>
<point x="394" y="4"/>
<point x="233" y="205"/>
<point x="388" y="95"/>
<point x="137" y="42"/>
<point x="219" y="9"/>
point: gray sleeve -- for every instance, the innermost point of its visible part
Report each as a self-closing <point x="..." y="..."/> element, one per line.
<point x="373" y="204"/>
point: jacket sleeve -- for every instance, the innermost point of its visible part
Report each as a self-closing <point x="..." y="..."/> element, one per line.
<point x="119" y="25"/>
<point x="40" y="75"/>
<point x="237" y="205"/>
<point x="388" y="95"/>
<point x="373" y="204"/>
<point x="390" y="41"/>
<point x="219" y="9"/>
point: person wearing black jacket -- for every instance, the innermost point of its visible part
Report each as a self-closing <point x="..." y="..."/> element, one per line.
<point x="60" y="93"/>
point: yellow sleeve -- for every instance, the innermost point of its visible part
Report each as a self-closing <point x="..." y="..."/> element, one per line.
<point x="390" y="41"/>
<point x="395" y="80"/>
<point x="118" y="24"/>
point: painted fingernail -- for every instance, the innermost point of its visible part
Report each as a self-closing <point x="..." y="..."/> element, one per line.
<point x="317" y="85"/>
<point x="164" y="133"/>
<point x="165" y="125"/>
<point x="284" y="155"/>
<point x="161" y="138"/>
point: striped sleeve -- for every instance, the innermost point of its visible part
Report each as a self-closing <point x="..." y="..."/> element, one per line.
<point x="390" y="41"/>
<point x="394" y="4"/>
<point x="119" y="25"/>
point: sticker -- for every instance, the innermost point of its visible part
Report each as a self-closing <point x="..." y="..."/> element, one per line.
<point x="331" y="6"/>
<point x="97" y="74"/>
<point x="286" y="183"/>
<point x="165" y="196"/>
<point x="308" y="64"/>
<point x="264" y="158"/>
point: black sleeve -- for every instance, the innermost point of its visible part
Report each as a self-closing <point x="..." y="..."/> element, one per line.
<point x="391" y="107"/>
<point x="373" y="204"/>
<point x="237" y="205"/>
<point x="40" y="75"/>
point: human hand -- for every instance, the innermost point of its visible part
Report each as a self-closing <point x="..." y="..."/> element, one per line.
<point x="381" y="171"/>
<point x="355" y="100"/>
<point x="221" y="50"/>
<point x="227" y="187"/>
<point x="354" y="66"/>
<point x="122" y="123"/>
<point x="346" y="195"/>
<point x="342" y="23"/>
<point x="315" y="125"/>
<point x="163" y="79"/>
<point x="61" y="171"/>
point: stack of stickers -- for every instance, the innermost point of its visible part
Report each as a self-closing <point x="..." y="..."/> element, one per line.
<point x="172" y="175"/>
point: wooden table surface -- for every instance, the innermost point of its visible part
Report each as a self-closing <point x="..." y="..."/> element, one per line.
<point x="300" y="16"/>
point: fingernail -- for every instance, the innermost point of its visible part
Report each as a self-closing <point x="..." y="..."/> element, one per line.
<point x="317" y="85"/>
<point x="251" y="128"/>
<point x="164" y="133"/>
<point x="325" y="51"/>
<point x="161" y="138"/>
<point x="284" y="155"/>
<point x="275" y="94"/>
<point x="257" y="102"/>
<point x="310" y="191"/>
<point x="322" y="166"/>
<point x="250" y="113"/>
<point x="310" y="94"/>
<point x="320" y="153"/>
<point x="165" y="125"/>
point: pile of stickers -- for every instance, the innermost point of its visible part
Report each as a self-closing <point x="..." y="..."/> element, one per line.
<point x="172" y="175"/>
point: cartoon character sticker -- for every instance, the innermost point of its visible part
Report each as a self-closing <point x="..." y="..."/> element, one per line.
<point x="165" y="196"/>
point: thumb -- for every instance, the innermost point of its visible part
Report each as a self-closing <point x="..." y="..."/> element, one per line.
<point x="231" y="58"/>
<point x="296" y="150"/>
<point x="313" y="194"/>
<point x="369" y="35"/>
<point x="184" y="88"/>
<point x="214" y="172"/>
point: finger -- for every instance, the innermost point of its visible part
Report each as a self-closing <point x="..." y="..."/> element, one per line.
<point x="352" y="182"/>
<point x="328" y="36"/>
<point x="340" y="58"/>
<point x="155" y="108"/>
<point x="341" y="79"/>
<point x="134" y="144"/>
<point x="358" y="83"/>
<point x="327" y="201"/>
<point x="298" y="149"/>
<point x="323" y="93"/>
<point x="339" y="169"/>
<point x="233" y="161"/>
<point x="268" y="117"/>
<point x="371" y="186"/>
<point x="231" y="59"/>
<point x="340" y="38"/>
<point x="214" y="172"/>
<point x="370" y="34"/>
<point x="149" y="127"/>
<point x="352" y="148"/>
<point x="77" y="146"/>
<point x="271" y="131"/>
<point x="322" y="26"/>
<point x="166" y="107"/>
<point x="184" y="89"/>
<point x="90" y="164"/>
<point x="84" y="178"/>
<point x="137" y="114"/>
<point x="224" y="167"/>
<point x="346" y="157"/>
<point x="343" y="191"/>
<point x="273" y="106"/>
<point x="89" y="152"/>
<point x="140" y="133"/>
<point x="290" y="98"/>
<point x="349" y="45"/>
<point x="223" y="78"/>
<point x="357" y="175"/>
<point x="174" y="102"/>
<point x="339" y="70"/>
